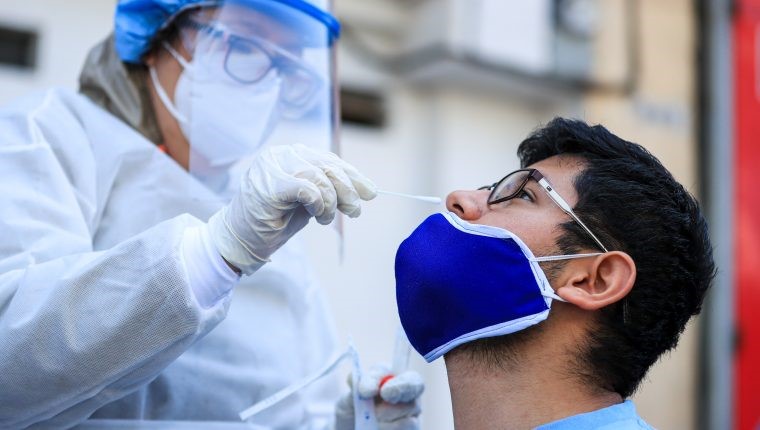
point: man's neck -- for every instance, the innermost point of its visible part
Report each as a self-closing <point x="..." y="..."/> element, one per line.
<point x="522" y="395"/>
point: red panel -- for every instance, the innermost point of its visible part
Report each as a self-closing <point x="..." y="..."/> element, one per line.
<point x="747" y="213"/>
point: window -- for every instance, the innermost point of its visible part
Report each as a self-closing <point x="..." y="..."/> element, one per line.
<point x="361" y="107"/>
<point x="18" y="48"/>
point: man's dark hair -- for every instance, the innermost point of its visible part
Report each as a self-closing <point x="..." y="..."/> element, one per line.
<point x="633" y="204"/>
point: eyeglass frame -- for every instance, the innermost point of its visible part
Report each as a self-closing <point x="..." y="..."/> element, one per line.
<point x="278" y="58"/>
<point x="546" y="186"/>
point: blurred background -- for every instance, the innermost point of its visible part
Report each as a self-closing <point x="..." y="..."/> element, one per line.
<point x="437" y="94"/>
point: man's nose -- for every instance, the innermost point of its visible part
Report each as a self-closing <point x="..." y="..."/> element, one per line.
<point x="468" y="205"/>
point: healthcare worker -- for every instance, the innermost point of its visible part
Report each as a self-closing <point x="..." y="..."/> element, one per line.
<point x="130" y="211"/>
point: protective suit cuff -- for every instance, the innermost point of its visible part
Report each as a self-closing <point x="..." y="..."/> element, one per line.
<point x="231" y="246"/>
<point x="211" y="279"/>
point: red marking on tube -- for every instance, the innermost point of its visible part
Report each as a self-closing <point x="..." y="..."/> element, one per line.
<point x="385" y="379"/>
<point x="162" y="148"/>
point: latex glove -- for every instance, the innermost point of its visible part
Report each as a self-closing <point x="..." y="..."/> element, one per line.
<point x="284" y="187"/>
<point x="396" y="402"/>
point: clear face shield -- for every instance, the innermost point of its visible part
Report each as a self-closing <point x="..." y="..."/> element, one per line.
<point x="254" y="73"/>
<point x="260" y="72"/>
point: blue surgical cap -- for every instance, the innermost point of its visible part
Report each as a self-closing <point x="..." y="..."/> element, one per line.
<point x="138" y="21"/>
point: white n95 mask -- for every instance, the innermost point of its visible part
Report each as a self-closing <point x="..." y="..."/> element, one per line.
<point x="223" y="120"/>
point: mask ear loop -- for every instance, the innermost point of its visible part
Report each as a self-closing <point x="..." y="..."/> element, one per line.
<point x="165" y="97"/>
<point x="160" y="88"/>
<point x="180" y="59"/>
<point x="551" y="294"/>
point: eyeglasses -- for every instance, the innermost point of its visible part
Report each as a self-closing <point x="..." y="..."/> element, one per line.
<point x="249" y="59"/>
<point x="512" y="186"/>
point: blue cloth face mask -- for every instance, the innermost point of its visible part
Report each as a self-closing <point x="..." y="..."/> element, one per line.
<point x="457" y="282"/>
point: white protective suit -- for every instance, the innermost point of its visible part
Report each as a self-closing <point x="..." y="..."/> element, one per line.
<point x="96" y="315"/>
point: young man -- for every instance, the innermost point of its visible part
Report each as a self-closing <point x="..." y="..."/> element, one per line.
<point x="553" y="291"/>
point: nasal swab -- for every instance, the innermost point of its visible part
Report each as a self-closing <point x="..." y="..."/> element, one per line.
<point x="427" y="199"/>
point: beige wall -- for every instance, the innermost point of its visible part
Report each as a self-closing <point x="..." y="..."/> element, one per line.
<point x="660" y="116"/>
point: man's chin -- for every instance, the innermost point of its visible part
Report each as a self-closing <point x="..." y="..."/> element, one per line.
<point x="498" y="352"/>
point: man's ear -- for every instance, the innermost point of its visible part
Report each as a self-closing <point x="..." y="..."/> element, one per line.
<point x="594" y="283"/>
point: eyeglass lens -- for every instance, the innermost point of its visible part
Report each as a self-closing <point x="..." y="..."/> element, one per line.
<point x="508" y="187"/>
<point x="248" y="62"/>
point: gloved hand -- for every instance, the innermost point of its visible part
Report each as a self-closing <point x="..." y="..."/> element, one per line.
<point x="284" y="187"/>
<point x="396" y="399"/>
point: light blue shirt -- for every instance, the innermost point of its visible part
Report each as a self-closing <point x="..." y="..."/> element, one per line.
<point x="622" y="416"/>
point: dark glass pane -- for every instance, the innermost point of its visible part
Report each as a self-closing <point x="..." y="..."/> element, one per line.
<point x="18" y="48"/>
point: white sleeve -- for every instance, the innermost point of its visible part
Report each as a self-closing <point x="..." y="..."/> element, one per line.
<point x="81" y="331"/>
<point x="211" y="279"/>
<point x="80" y="328"/>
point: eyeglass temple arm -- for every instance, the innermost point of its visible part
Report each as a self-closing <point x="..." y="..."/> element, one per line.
<point x="568" y="210"/>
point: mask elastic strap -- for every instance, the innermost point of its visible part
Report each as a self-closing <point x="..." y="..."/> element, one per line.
<point x="551" y="294"/>
<point x="164" y="97"/>
<point x="563" y="257"/>
<point x="180" y="59"/>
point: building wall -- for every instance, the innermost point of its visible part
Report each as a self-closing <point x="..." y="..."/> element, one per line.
<point x="67" y="30"/>
<point x="659" y="114"/>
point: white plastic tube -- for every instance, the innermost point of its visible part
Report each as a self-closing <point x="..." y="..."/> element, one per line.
<point x="401" y="352"/>
<point x="426" y="199"/>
